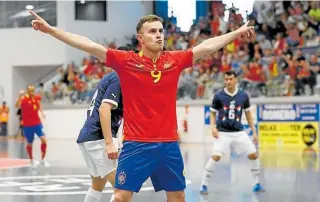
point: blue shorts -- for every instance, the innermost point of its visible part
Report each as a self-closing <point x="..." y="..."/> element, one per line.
<point x="162" y="162"/>
<point x="29" y="131"/>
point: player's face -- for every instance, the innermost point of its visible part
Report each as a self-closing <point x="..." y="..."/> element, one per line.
<point x="31" y="90"/>
<point x="230" y="81"/>
<point x="152" y="36"/>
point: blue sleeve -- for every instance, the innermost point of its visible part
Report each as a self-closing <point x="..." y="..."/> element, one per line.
<point x="112" y="94"/>
<point x="246" y="104"/>
<point x="216" y="105"/>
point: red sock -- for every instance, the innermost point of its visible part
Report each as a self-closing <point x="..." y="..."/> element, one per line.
<point x="29" y="151"/>
<point x="43" y="150"/>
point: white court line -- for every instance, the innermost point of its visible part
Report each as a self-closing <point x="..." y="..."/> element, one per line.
<point x="43" y="176"/>
<point x="54" y="176"/>
<point x="49" y="193"/>
<point x="62" y="193"/>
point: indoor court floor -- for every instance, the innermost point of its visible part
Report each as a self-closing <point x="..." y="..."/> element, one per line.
<point x="287" y="175"/>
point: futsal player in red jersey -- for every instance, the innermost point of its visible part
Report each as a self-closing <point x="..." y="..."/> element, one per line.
<point x="30" y="105"/>
<point x="149" y="84"/>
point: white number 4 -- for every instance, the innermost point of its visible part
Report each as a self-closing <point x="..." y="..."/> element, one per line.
<point x="91" y="106"/>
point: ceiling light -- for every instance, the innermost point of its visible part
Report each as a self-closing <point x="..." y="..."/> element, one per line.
<point x="29" y="7"/>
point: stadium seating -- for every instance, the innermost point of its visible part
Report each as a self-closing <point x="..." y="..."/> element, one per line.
<point x="281" y="60"/>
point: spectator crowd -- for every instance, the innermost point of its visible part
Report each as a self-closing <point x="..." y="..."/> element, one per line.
<point x="281" y="60"/>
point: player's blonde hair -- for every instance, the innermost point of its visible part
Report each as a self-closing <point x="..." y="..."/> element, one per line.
<point x="147" y="18"/>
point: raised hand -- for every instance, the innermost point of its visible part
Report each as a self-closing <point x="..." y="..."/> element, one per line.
<point x="40" y="24"/>
<point x="246" y="30"/>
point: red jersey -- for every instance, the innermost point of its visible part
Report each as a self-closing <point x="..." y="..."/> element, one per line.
<point x="29" y="110"/>
<point x="149" y="91"/>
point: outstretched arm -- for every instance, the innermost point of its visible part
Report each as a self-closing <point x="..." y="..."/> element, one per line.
<point x="74" y="40"/>
<point x="213" y="44"/>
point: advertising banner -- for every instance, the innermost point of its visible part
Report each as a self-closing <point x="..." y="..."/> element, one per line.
<point x="289" y="125"/>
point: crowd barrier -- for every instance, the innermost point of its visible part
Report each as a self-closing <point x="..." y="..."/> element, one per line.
<point x="289" y="122"/>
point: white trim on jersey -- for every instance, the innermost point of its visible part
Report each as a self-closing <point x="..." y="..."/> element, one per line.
<point x="231" y="94"/>
<point x="213" y="110"/>
<point x="111" y="102"/>
<point x="247" y="109"/>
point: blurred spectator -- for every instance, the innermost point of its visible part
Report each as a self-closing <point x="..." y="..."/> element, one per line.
<point x="4" y="118"/>
<point x="282" y="60"/>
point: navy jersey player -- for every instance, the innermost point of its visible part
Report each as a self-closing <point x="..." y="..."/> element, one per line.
<point x="98" y="137"/>
<point x="227" y="129"/>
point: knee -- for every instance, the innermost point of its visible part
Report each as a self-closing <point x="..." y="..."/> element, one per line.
<point x="216" y="158"/>
<point x="122" y="196"/>
<point x="119" y="198"/>
<point x="176" y="197"/>
<point x="253" y="156"/>
<point x="98" y="184"/>
<point x="43" y="140"/>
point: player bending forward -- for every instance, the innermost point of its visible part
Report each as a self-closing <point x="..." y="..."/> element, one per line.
<point x="227" y="131"/>
<point x="149" y="87"/>
<point x="98" y="137"/>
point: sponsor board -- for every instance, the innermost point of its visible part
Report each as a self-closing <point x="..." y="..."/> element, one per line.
<point x="289" y="125"/>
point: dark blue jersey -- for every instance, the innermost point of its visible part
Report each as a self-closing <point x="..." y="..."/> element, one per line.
<point x="230" y="107"/>
<point x="108" y="90"/>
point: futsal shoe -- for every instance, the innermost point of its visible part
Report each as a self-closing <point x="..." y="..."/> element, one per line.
<point x="258" y="188"/>
<point x="204" y="189"/>
<point x="34" y="164"/>
<point x="112" y="198"/>
<point x="45" y="164"/>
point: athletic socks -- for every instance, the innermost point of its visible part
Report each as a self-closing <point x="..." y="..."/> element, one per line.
<point x="255" y="170"/>
<point x="43" y="150"/>
<point x="29" y="151"/>
<point x="208" y="171"/>
<point x="93" y="195"/>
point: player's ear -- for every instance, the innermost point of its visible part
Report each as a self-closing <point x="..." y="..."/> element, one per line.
<point x="139" y="37"/>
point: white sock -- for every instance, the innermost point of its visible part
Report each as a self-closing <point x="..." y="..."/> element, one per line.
<point x="255" y="170"/>
<point x="93" y="195"/>
<point x="112" y="198"/>
<point x="208" y="171"/>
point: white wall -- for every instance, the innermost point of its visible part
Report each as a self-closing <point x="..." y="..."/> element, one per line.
<point x="24" y="46"/>
<point x="119" y="22"/>
<point x="20" y="47"/>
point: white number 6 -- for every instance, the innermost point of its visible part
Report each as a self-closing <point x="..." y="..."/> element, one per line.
<point x="231" y="114"/>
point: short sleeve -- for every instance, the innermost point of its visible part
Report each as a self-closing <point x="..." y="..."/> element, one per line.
<point x="115" y="58"/>
<point x="112" y="94"/>
<point x="215" y="105"/>
<point x="246" y="104"/>
<point x="39" y="98"/>
<point x="184" y="58"/>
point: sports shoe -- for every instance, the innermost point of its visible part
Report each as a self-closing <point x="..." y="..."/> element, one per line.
<point x="34" y="164"/>
<point x="258" y="188"/>
<point x="45" y="163"/>
<point x="204" y="189"/>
